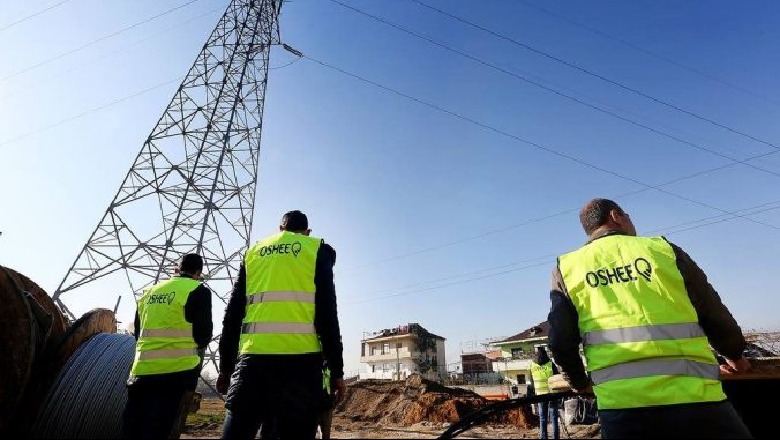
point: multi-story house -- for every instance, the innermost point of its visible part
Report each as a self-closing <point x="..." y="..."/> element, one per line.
<point x="395" y="353"/>
<point x="517" y="352"/>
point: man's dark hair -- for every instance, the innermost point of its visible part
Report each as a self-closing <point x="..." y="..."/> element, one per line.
<point x="191" y="264"/>
<point x="595" y="214"/>
<point x="541" y="357"/>
<point x="295" y="221"/>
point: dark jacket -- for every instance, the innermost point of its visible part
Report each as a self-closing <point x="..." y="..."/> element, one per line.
<point x="722" y="331"/>
<point x="197" y="311"/>
<point x="326" y="322"/>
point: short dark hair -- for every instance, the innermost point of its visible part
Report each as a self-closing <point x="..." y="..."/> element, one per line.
<point x="595" y="213"/>
<point x="191" y="264"/>
<point x="541" y="357"/>
<point x="295" y="221"/>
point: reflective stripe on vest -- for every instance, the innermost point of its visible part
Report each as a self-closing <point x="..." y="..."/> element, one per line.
<point x="642" y="340"/>
<point x="166" y="333"/>
<point x="280" y="296"/>
<point x="169" y="353"/>
<point x="540" y="375"/>
<point x="655" y="367"/>
<point x="279" y="328"/>
<point x="165" y="343"/>
<point x="643" y="333"/>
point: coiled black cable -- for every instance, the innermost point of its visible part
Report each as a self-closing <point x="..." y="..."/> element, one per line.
<point x="89" y="394"/>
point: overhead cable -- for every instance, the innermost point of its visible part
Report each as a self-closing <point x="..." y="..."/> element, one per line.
<point x="522" y="140"/>
<point x="33" y="15"/>
<point x="595" y="74"/>
<point x="546" y="259"/>
<point x="558" y="92"/>
<point x="543" y="218"/>
<point x="87" y="112"/>
<point x="95" y="41"/>
<point x="647" y="52"/>
<point x="116" y="51"/>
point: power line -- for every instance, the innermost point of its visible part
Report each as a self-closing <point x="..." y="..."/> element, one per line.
<point x="539" y="219"/>
<point x="533" y="144"/>
<point x="550" y="258"/>
<point x="33" y="15"/>
<point x="647" y="52"/>
<point x="88" y="112"/>
<point x="95" y="41"/>
<point x="593" y="74"/>
<point x="119" y="50"/>
<point x="558" y="92"/>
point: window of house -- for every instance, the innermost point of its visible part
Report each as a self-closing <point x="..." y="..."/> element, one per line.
<point x="373" y="368"/>
<point x="521" y="379"/>
<point x="517" y="352"/>
<point x="374" y="351"/>
<point x="386" y="348"/>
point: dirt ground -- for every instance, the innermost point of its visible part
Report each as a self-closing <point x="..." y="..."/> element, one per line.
<point x="207" y="423"/>
<point x="411" y="408"/>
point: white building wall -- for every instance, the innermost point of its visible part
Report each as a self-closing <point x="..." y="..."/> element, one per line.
<point x="441" y="358"/>
<point x="380" y="362"/>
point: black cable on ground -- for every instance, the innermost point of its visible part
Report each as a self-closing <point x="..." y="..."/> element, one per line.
<point x="89" y="393"/>
<point x="481" y="415"/>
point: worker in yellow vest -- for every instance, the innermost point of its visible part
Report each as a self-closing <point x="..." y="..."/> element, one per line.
<point x="172" y="328"/>
<point x="646" y="318"/>
<point x="280" y="322"/>
<point x="542" y="369"/>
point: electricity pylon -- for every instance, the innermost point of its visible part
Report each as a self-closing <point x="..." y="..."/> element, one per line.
<point x="192" y="186"/>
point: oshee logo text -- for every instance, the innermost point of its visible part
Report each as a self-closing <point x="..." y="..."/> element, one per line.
<point x="286" y="248"/>
<point x="161" y="298"/>
<point x="621" y="274"/>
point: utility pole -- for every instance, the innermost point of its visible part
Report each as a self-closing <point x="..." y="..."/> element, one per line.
<point x="398" y="360"/>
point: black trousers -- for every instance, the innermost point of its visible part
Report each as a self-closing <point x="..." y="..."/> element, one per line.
<point x="283" y="390"/>
<point x="153" y="404"/>
<point x="692" y="420"/>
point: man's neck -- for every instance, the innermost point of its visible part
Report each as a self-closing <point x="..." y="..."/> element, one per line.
<point x="603" y="232"/>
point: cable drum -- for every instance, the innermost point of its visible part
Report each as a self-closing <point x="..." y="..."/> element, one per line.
<point x="89" y="393"/>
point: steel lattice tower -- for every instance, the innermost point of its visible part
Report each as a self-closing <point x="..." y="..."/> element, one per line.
<point x="192" y="186"/>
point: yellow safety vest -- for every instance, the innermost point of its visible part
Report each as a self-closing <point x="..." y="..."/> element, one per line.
<point x="280" y="296"/>
<point x="541" y="374"/>
<point x="643" y="343"/>
<point x="165" y="344"/>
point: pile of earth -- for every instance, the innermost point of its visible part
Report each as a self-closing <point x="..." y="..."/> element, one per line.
<point x="416" y="400"/>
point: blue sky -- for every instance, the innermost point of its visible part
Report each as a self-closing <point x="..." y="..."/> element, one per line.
<point x="450" y="222"/>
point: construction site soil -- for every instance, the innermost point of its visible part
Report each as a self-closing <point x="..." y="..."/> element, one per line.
<point x="414" y="408"/>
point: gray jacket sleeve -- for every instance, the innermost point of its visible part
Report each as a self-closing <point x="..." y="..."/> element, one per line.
<point x="564" y="340"/>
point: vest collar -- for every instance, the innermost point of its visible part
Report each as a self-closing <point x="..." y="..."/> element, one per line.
<point x="605" y="234"/>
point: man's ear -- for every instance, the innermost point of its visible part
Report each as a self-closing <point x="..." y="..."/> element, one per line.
<point x="176" y="270"/>
<point x="281" y="228"/>
<point x="307" y="232"/>
<point x="616" y="216"/>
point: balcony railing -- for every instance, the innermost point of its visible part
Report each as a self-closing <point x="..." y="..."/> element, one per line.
<point x="391" y="356"/>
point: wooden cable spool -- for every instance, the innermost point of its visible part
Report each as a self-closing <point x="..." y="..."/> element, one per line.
<point x="91" y="323"/>
<point x="17" y="346"/>
<point x="32" y="326"/>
